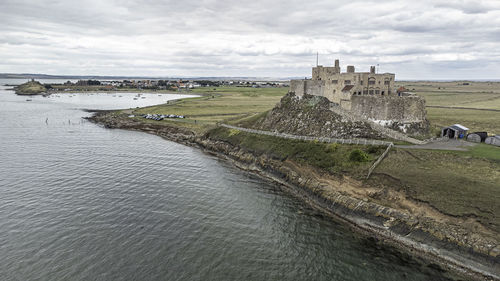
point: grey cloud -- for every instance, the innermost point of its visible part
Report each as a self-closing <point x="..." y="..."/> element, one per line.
<point x="470" y="6"/>
<point x="258" y="38"/>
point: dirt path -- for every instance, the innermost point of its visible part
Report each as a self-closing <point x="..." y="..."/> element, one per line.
<point x="451" y="144"/>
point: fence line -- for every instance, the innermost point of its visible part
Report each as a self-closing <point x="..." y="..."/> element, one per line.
<point x="380" y="158"/>
<point x="308" y="138"/>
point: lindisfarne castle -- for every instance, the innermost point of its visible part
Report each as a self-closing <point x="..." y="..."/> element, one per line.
<point x="369" y="95"/>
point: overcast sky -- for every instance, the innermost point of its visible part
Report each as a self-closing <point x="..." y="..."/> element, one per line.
<point x="416" y="39"/>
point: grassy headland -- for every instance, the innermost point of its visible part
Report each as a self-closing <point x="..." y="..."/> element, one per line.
<point x="30" y="88"/>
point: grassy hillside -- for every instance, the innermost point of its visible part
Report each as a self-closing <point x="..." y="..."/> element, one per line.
<point x="30" y="88"/>
<point x="462" y="184"/>
<point x="333" y="158"/>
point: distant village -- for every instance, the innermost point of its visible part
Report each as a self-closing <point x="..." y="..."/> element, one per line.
<point x="171" y="85"/>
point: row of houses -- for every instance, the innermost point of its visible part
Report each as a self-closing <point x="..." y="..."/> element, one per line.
<point x="458" y="131"/>
<point x="189" y="84"/>
<point x="173" y="85"/>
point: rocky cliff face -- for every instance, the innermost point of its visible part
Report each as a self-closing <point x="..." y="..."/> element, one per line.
<point x="311" y="116"/>
<point x="414" y="129"/>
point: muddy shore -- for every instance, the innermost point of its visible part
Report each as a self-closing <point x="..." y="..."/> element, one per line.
<point x="433" y="241"/>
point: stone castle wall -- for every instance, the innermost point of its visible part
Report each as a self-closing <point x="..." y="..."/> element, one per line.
<point x="311" y="87"/>
<point x="393" y="108"/>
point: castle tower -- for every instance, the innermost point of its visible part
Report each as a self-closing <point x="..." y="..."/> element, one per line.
<point x="337" y="66"/>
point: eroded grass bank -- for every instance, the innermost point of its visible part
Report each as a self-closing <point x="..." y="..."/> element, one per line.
<point x="329" y="157"/>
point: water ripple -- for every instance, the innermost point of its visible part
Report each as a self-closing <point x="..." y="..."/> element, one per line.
<point x="80" y="202"/>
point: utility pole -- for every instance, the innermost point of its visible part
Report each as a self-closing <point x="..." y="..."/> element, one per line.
<point x="317" y="59"/>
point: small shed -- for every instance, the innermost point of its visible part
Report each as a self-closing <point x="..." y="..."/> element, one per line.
<point x="456" y="131"/>
<point x="401" y="90"/>
<point x="477" y="136"/>
<point x="494" y="140"/>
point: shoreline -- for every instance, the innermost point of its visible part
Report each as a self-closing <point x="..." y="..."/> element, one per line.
<point x="386" y="225"/>
<point x="142" y="92"/>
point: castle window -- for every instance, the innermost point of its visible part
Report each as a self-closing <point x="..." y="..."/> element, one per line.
<point x="335" y="81"/>
<point x="365" y="92"/>
<point x="387" y="82"/>
<point x="371" y="92"/>
<point x="379" y="82"/>
<point x="347" y="82"/>
<point x="361" y="82"/>
<point x="382" y="93"/>
<point x="371" y="81"/>
<point x="377" y="92"/>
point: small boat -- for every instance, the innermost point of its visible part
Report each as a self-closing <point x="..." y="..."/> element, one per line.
<point x="29" y="100"/>
<point x="135" y="98"/>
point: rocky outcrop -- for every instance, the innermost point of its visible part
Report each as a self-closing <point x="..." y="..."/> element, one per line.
<point x="415" y="129"/>
<point x="309" y="115"/>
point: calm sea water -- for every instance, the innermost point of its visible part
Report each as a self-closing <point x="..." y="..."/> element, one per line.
<point x="80" y="202"/>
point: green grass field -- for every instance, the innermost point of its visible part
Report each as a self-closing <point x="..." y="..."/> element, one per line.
<point x="462" y="184"/>
<point x="220" y="104"/>
<point x="476" y="95"/>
